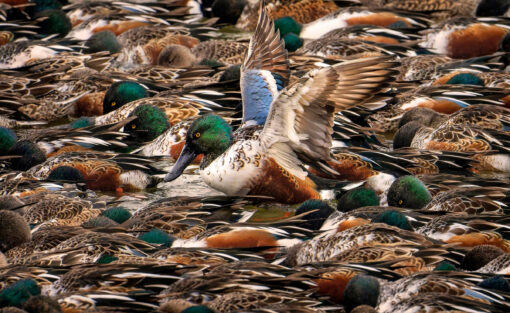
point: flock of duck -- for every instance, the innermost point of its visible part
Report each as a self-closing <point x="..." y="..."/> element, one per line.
<point x="361" y="148"/>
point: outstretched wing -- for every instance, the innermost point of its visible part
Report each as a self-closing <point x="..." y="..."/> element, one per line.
<point x="300" y="121"/>
<point x="265" y="70"/>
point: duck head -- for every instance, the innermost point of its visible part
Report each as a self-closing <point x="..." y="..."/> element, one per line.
<point x="210" y="135"/>
<point x="151" y="122"/>
<point x="103" y="41"/>
<point x="121" y="93"/>
<point x="408" y="192"/>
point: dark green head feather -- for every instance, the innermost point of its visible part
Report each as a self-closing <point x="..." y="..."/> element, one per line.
<point x="7" y="139"/>
<point x="287" y="25"/>
<point x="315" y="219"/>
<point x="157" y="236"/>
<point x="103" y="41"/>
<point x="66" y="173"/>
<point x="465" y="79"/>
<point x="408" y="192"/>
<point x="53" y="22"/>
<point x="292" y="42"/>
<point x="18" y="293"/>
<point x="445" y="266"/>
<point x="117" y="214"/>
<point x="357" y="198"/>
<point x="30" y="154"/>
<point x="393" y="218"/>
<point x="151" y="123"/>
<point x="362" y="289"/>
<point x="121" y="93"/>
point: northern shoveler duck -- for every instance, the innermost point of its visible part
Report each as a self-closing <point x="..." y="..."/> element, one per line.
<point x="441" y="9"/>
<point x="466" y="38"/>
<point x="486" y="116"/>
<point x="327" y="245"/>
<point x="302" y="11"/>
<point x="421" y="292"/>
<point x="489" y="145"/>
<point x="17" y="53"/>
<point x="102" y="171"/>
<point x="349" y="16"/>
<point x="275" y="151"/>
<point x="443" y="99"/>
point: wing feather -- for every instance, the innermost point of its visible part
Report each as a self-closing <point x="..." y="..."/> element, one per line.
<point x="300" y="121"/>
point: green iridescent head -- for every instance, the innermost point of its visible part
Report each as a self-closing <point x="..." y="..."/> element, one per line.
<point x="103" y="41"/>
<point x="151" y="123"/>
<point x="465" y="79"/>
<point x="53" y="22"/>
<point x="18" y="293"/>
<point x="157" y="236"/>
<point x="7" y="139"/>
<point x="357" y="198"/>
<point x="210" y="135"/>
<point x="287" y="25"/>
<point x="445" y="266"/>
<point x="117" y="214"/>
<point x="393" y="218"/>
<point x="121" y="93"/>
<point x="408" y="192"/>
<point x="30" y="155"/>
<point x="292" y="42"/>
<point x="361" y="289"/>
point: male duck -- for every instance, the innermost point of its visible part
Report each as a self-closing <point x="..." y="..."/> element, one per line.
<point x="298" y="126"/>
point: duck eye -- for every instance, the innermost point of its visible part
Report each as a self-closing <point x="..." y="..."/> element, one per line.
<point x="197" y="135"/>
<point x="114" y="103"/>
<point x="133" y="126"/>
<point x="400" y="201"/>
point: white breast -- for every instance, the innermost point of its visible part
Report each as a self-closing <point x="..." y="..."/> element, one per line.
<point x="234" y="171"/>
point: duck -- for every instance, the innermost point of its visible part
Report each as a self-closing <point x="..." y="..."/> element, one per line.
<point x="213" y="137"/>
<point x="349" y="16"/>
<point x="441" y="9"/>
<point x="464" y="37"/>
<point x="102" y="171"/>
<point x="446" y="99"/>
<point x="488" y="145"/>
<point x="304" y="11"/>
<point x="416" y="292"/>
